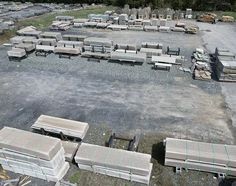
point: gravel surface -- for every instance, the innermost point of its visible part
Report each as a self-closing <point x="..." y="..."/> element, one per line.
<point x="120" y="98"/>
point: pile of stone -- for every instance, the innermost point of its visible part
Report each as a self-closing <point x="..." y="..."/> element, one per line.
<point x="225" y="65"/>
<point x="201" y="67"/>
<point x="118" y="163"/>
<point x="130" y="56"/>
<point x="32" y="154"/>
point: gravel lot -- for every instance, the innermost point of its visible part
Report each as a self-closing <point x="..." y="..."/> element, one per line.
<point x="124" y="98"/>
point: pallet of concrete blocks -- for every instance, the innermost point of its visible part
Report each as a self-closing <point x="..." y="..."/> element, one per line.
<point x="45" y="46"/>
<point x="102" y="25"/>
<point x="31" y="40"/>
<point x="80" y="20"/>
<point x="135" y="27"/>
<point x="208" y="157"/>
<point x="51" y="35"/>
<point x="29" y="31"/>
<point x="55" y="125"/>
<point x="164" y="29"/>
<point x="68" y="48"/>
<point x="20" y="39"/>
<point x="136" y="57"/>
<point x="16" y="53"/>
<point x="98" y="41"/>
<point x="32" y="154"/>
<point x="153" y="45"/>
<point x="67" y="51"/>
<point x="78" y="25"/>
<point x="225" y="65"/>
<point x="117" y="27"/>
<point x="177" y="29"/>
<point x="150" y="28"/>
<point x="69" y="37"/>
<point x="151" y="52"/>
<point x="151" y="49"/>
<point x="125" y="47"/>
<point x="90" y="24"/>
<point x="28" y="47"/>
<point x="70" y="44"/>
<point x="60" y="25"/>
<point x="154" y="22"/>
<point x="132" y="166"/>
<point x="97" y="47"/>
<point x="146" y="22"/>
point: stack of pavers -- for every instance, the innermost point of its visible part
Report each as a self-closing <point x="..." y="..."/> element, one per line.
<point x="225" y="65"/>
<point x="201" y="65"/>
<point x="132" y="166"/>
<point x="97" y="47"/>
<point x="32" y="154"/>
<point x="209" y="157"/>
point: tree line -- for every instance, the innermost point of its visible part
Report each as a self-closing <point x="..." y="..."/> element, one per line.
<point x="175" y="4"/>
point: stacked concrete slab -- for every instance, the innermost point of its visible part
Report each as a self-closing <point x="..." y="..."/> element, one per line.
<point x="70" y="128"/>
<point x="29" y="31"/>
<point x="32" y="154"/>
<point x="68" y="47"/>
<point x="117" y="27"/>
<point x="118" y="163"/>
<point x="16" y="53"/>
<point x="136" y="57"/>
<point x="60" y="25"/>
<point x="225" y="65"/>
<point x="46" y="45"/>
<point x="135" y="27"/>
<point x="51" y="35"/>
<point x="97" y="47"/>
<point x="68" y="37"/>
<point x="28" y="47"/>
<point x="151" y="52"/>
<point x="209" y="157"/>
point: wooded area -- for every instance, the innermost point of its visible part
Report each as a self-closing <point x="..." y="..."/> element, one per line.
<point x="175" y="4"/>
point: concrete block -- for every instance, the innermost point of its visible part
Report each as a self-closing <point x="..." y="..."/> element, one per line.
<point x="25" y="142"/>
<point x="56" y="125"/>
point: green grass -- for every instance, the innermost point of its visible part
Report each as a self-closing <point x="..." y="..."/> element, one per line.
<point x="75" y="177"/>
<point x="7" y="35"/>
<point x="44" y="21"/>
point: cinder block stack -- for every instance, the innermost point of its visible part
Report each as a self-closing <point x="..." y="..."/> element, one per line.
<point x="32" y="154"/>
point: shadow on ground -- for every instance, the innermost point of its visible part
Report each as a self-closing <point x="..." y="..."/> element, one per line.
<point x="158" y="152"/>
